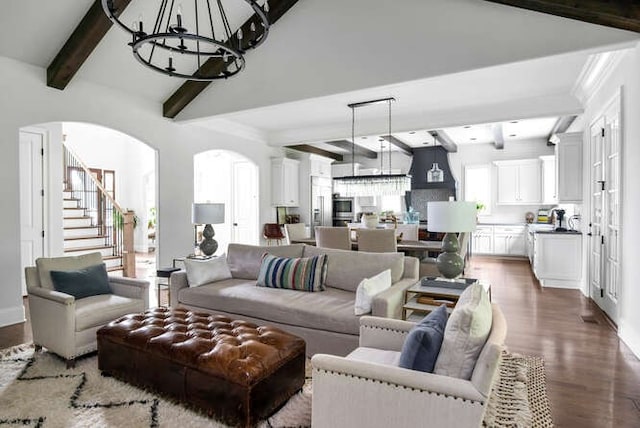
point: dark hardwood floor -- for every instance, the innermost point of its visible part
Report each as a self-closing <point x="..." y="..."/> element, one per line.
<point x="593" y="379"/>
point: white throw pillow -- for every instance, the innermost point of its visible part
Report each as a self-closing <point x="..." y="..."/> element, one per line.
<point x="466" y="332"/>
<point x="201" y="272"/>
<point x="368" y="288"/>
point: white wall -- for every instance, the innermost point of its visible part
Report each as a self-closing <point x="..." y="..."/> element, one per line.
<point x="132" y="160"/>
<point x="626" y="75"/>
<point x="27" y="101"/>
<point x="478" y="154"/>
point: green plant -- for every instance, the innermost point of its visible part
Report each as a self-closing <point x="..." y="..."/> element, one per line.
<point x="479" y="206"/>
<point x="118" y="219"/>
<point x="151" y="224"/>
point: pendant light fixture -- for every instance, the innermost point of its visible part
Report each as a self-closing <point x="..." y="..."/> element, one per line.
<point x="435" y="174"/>
<point x="371" y="185"/>
<point x="179" y="40"/>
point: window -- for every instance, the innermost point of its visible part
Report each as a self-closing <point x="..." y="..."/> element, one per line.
<point x="477" y="186"/>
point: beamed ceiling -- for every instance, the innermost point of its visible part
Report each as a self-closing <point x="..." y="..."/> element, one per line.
<point x="288" y="113"/>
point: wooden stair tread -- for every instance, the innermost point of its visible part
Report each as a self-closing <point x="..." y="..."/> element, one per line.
<point x="97" y="247"/>
<point x="75" y="218"/>
<point x="80" y="227"/>
<point x="77" y="238"/>
<point x="114" y="268"/>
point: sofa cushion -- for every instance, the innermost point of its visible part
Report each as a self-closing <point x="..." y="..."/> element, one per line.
<point x="368" y="288"/>
<point x="345" y="269"/>
<point x="201" y="272"/>
<point x="422" y="344"/>
<point x="99" y="310"/>
<point x="303" y="274"/>
<point x="244" y="260"/>
<point x="81" y="283"/>
<point x="46" y="265"/>
<point x="466" y="333"/>
<point x="331" y="310"/>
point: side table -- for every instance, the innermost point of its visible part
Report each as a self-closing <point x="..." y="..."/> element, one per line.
<point x="165" y="273"/>
<point x="420" y="300"/>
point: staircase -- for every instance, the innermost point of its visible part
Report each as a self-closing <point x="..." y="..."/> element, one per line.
<point x="82" y="236"/>
<point x="93" y="221"/>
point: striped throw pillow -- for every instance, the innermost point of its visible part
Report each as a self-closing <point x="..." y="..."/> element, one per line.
<point x="304" y="274"/>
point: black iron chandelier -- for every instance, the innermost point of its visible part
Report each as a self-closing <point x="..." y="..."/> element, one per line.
<point x="182" y="41"/>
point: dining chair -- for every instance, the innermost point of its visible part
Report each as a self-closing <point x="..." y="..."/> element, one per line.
<point x="333" y="237"/>
<point x="377" y="240"/>
<point x="272" y="233"/>
<point x="295" y="231"/>
<point x="409" y="231"/>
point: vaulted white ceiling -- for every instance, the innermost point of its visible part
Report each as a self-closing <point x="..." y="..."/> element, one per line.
<point x="448" y="62"/>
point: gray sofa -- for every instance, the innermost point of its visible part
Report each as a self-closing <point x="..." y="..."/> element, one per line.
<point x="326" y="319"/>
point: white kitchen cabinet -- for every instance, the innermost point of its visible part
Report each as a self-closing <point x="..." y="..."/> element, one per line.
<point x="509" y="240"/>
<point x="569" y="166"/>
<point x="549" y="182"/>
<point x="482" y="240"/>
<point x="285" y="182"/>
<point x="319" y="166"/>
<point x="557" y="260"/>
<point x="519" y="182"/>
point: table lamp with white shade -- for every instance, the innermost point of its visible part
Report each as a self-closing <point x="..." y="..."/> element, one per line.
<point x="451" y="217"/>
<point x="207" y="214"/>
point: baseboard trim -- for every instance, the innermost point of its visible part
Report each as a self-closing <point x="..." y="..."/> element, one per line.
<point x="630" y="337"/>
<point x="13" y="315"/>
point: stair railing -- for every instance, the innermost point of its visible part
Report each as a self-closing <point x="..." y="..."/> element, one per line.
<point x="115" y="224"/>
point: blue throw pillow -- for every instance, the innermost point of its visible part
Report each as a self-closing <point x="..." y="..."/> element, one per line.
<point x="422" y="345"/>
<point x="89" y="281"/>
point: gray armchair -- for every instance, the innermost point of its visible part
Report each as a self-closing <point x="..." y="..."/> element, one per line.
<point x="67" y="326"/>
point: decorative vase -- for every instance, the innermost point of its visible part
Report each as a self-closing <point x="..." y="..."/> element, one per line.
<point x="369" y="220"/>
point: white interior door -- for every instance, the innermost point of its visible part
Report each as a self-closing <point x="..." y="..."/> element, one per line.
<point x="604" y="266"/>
<point x="31" y="200"/>
<point x="244" y="204"/>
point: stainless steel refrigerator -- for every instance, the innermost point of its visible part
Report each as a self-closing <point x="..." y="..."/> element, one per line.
<point x="321" y="214"/>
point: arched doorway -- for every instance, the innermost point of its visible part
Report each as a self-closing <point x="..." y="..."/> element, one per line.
<point x="228" y="177"/>
<point x="125" y="166"/>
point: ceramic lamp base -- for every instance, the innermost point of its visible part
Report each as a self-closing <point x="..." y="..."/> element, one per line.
<point x="449" y="262"/>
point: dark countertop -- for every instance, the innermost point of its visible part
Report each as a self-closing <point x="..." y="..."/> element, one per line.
<point x="553" y="232"/>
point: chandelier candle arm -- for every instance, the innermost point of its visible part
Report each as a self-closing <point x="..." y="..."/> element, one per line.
<point x="173" y="33"/>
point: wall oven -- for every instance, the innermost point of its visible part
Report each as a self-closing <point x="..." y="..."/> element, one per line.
<point x="343" y="208"/>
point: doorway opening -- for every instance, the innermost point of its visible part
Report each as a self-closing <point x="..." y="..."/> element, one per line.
<point x="121" y="164"/>
<point x="227" y="177"/>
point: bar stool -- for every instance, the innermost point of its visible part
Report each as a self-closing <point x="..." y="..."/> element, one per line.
<point x="272" y="233"/>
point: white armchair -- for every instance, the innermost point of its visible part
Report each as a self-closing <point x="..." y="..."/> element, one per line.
<point x="367" y="388"/>
<point x="67" y="326"/>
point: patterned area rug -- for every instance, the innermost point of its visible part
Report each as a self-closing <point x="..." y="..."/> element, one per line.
<point x="36" y="390"/>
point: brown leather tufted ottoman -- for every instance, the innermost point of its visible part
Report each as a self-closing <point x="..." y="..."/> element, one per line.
<point x="237" y="371"/>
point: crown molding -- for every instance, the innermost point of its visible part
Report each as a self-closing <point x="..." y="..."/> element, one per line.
<point x="595" y="72"/>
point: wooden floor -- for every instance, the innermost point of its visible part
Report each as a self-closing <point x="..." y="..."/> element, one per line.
<point x="593" y="380"/>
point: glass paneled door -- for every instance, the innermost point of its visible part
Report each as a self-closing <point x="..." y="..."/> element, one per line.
<point x="604" y="233"/>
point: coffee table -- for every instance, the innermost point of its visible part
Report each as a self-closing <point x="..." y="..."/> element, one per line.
<point x="236" y="371"/>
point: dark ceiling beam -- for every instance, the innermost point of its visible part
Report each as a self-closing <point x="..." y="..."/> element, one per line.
<point x="81" y="43"/>
<point x="444" y="140"/>
<point x="498" y="136"/>
<point x="190" y="89"/>
<point x="623" y="14"/>
<point x="316" y="151"/>
<point x="403" y="147"/>
<point x="358" y="150"/>
<point x="562" y="124"/>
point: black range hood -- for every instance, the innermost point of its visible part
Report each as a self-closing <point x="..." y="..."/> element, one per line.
<point x="423" y="160"/>
<point x="422" y="191"/>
